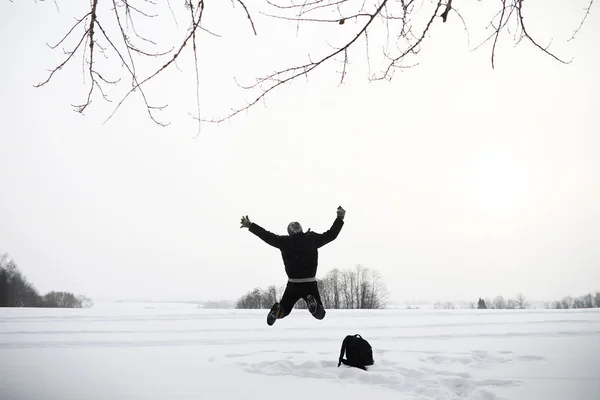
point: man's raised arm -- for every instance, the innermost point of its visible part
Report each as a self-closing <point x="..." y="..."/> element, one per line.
<point x="334" y="231"/>
<point x="265" y="235"/>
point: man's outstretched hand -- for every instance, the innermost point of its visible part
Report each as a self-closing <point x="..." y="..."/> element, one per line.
<point x="245" y="222"/>
<point x="341" y="213"/>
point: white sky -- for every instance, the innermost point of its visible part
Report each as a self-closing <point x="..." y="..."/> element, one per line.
<point x="459" y="181"/>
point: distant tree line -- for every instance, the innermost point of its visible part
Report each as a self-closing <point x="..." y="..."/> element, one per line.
<point x="500" y="303"/>
<point x="586" y="301"/>
<point x="520" y="303"/>
<point x="356" y="288"/>
<point x="17" y="291"/>
<point x="259" y="298"/>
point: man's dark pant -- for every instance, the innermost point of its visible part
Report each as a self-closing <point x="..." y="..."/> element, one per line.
<point x="296" y="291"/>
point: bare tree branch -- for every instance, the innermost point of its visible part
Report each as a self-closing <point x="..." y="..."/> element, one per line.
<point x="81" y="108"/>
<point x="319" y="6"/>
<point x="248" y="15"/>
<point x="465" y="25"/>
<point x="191" y="33"/>
<point x="522" y="23"/>
<point x="287" y="75"/>
<point x="210" y="32"/>
<point x="446" y="11"/>
<point x="145" y="14"/>
<point x="498" y="31"/>
<point x="129" y="17"/>
<point x="412" y="48"/>
<point x="172" y="13"/>
<point x="500" y="26"/>
<point x="306" y="3"/>
<point x="587" y="12"/>
<point x="398" y="28"/>
<point x="70" y="55"/>
<point x="201" y="5"/>
<point x="345" y="62"/>
<point x="134" y="77"/>
<point x="70" y="31"/>
<point x="340" y="21"/>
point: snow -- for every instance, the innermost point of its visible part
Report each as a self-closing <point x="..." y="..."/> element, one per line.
<point x="146" y="351"/>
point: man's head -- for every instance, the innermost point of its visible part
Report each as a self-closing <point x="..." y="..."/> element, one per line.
<point x="294" y="228"/>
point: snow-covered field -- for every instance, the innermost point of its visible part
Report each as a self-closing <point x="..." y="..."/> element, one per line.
<point x="171" y="352"/>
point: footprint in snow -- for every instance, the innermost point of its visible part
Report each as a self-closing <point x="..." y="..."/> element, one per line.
<point x="427" y="382"/>
<point x="478" y="358"/>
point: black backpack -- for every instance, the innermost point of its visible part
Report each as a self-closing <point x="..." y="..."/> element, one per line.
<point x="359" y="353"/>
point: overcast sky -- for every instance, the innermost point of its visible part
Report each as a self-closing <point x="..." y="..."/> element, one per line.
<point x="459" y="181"/>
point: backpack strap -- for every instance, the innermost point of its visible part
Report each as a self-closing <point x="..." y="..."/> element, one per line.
<point x="342" y="350"/>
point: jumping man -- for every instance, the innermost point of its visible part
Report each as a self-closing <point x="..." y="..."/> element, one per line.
<point x="300" y="258"/>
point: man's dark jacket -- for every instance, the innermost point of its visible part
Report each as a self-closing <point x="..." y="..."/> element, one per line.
<point x="299" y="251"/>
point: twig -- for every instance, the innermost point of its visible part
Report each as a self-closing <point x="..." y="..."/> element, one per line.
<point x="277" y="79"/>
<point x="316" y="7"/>
<point x="196" y="64"/>
<point x="210" y="32"/>
<point x="587" y="12"/>
<point x="344" y="67"/>
<point x="125" y="41"/>
<point x="295" y="5"/>
<point x="522" y="22"/>
<point x="134" y="77"/>
<point x="166" y="65"/>
<point x="172" y="13"/>
<point x="465" y="25"/>
<point x="498" y="31"/>
<point x="70" y="55"/>
<point x="415" y="45"/>
<point x="70" y="30"/>
<point x="336" y="21"/>
<point x="248" y="15"/>
<point x="512" y="10"/>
